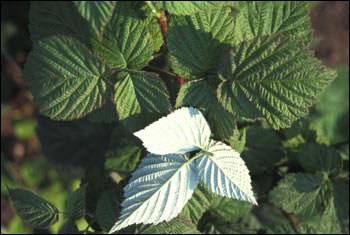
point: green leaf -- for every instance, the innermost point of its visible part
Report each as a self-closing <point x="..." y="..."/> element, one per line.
<point x="69" y="227"/>
<point x="179" y="225"/>
<point x="199" y="203"/>
<point x="262" y="150"/>
<point x="302" y="194"/>
<point x="96" y="13"/>
<point x="331" y="115"/>
<point x="225" y="173"/>
<point x="262" y="18"/>
<point x="189" y="131"/>
<point x="196" y="42"/>
<point x="272" y="78"/>
<point x="33" y="210"/>
<point x="76" y="204"/>
<point x="140" y="98"/>
<point x="238" y="140"/>
<point x="106" y="114"/>
<point x="153" y="27"/>
<point x="47" y="19"/>
<point x="202" y="95"/>
<point x="341" y="197"/>
<point x="230" y="210"/>
<point x="123" y="160"/>
<point x="126" y="41"/>
<point x="66" y="80"/>
<point x="107" y="210"/>
<point x="157" y="190"/>
<point x="218" y="226"/>
<point x="188" y="7"/>
<point x="317" y="157"/>
<point x="75" y="143"/>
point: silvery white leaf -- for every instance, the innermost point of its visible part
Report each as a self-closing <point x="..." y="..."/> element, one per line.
<point x="180" y="132"/>
<point x="157" y="190"/>
<point x="225" y="173"/>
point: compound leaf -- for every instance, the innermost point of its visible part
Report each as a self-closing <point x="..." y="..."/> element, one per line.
<point x="66" y="80"/>
<point x="180" y="132"/>
<point x="187" y="7"/>
<point x="157" y="190"/>
<point x="261" y="18"/>
<point x="140" y="97"/>
<point x="196" y="42"/>
<point x="225" y="173"/>
<point x="272" y="78"/>
<point x="34" y="210"/>
<point x="202" y="95"/>
<point x="96" y="13"/>
<point x="76" y="204"/>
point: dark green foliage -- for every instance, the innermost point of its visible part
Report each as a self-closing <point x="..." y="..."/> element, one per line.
<point x="247" y="66"/>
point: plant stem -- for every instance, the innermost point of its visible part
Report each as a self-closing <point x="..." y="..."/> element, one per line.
<point x="162" y="70"/>
<point x="153" y="8"/>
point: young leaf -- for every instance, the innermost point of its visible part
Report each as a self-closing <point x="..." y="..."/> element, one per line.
<point x="157" y="190"/>
<point x="96" y="13"/>
<point x="76" y="204"/>
<point x="107" y="210"/>
<point x="66" y="80"/>
<point x="34" y="210"/>
<point x="196" y="42"/>
<point x="140" y="97"/>
<point x="262" y="18"/>
<point x="303" y="194"/>
<point x="225" y="173"/>
<point x="272" y="78"/>
<point x="180" y="132"/>
<point x="202" y="95"/>
<point x="188" y="7"/>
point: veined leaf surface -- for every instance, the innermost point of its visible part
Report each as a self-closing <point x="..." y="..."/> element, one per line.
<point x="157" y="190"/>
<point x="225" y="173"/>
<point x="180" y="132"/>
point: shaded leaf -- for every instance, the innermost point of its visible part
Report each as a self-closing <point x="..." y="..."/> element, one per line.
<point x="107" y="210"/>
<point x="179" y="225"/>
<point x="262" y="150"/>
<point x="76" y="204"/>
<point x="196" y="42"/>
<point x="69" y="227"/>
<point x="76" y="143"/>
<point x="187" y="7"/>
<point x="33" y="210"/>
<point x="317" y="157"/>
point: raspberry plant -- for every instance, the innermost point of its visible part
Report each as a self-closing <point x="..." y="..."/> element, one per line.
<point x="232" y="81"/>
